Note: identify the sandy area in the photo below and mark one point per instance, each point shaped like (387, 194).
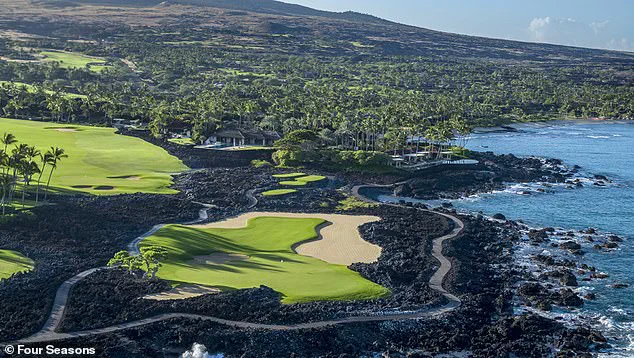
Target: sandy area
(340, 242)
(182, 292)
(65, 129)
(218, 258)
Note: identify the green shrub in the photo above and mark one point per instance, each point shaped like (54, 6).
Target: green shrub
(260, 163)
(351, 203)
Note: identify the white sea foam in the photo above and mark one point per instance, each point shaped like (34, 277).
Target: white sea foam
(200, 351)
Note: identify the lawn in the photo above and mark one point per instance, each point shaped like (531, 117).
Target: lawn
(12, 262)
(100, 161)
(302, 180)
(278, 192)
(293, 183)
(264, 257)
(289, 175)
(311, 178)
(74, 60)
(32, 89)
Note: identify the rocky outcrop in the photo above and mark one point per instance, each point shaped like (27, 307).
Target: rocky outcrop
(492, 172)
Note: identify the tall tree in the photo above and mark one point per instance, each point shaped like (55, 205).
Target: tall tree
(56, 155)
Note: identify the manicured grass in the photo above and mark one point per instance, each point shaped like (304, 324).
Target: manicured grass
(293, 183)
(13, 262)
(289, 175)
(74, 60)
(278, 192)
(100, 161)
(32, 89)
(303, 180)
(182, 141)
(311, 178)
(267, 242)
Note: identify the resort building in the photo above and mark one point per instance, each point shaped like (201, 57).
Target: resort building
(241, 137)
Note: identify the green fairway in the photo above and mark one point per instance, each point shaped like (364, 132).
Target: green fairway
(32, 89)
(261, 255)
(311, 178)
(289, 175)
(99, 161)
(12, 262)
(301, 180)
(74, 60)
(278, 192)
(293, 183)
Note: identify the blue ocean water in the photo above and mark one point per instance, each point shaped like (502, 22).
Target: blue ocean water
(605, 148)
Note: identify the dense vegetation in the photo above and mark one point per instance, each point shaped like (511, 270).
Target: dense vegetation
(282, 76)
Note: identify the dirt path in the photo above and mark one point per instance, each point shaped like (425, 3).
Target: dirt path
(47, 333)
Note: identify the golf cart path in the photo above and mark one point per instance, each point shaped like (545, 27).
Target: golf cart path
(47, 333)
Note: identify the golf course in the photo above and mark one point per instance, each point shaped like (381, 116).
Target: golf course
(74, 60)
(13, 262)
(99, 161)
(260, 253)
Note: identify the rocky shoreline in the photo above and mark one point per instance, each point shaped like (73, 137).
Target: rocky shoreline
(493, 172)
(485, 277)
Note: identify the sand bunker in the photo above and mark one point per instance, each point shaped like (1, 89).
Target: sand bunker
(182, 292)
(64, 129)
(127, 177)
(340, 242)
(218, 258)
(104, 187)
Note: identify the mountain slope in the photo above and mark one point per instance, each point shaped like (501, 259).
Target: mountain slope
(260, 6)
(307, 31)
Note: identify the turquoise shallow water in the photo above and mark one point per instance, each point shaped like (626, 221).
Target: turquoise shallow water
(599, 148)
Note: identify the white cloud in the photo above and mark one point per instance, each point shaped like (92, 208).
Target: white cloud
(598, 26)
(572, 32)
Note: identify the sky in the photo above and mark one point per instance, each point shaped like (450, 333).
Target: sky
(607, 24)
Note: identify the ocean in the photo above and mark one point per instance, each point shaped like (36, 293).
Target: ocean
(599, 147)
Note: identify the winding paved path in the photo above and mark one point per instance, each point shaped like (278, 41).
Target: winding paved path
(47, 333)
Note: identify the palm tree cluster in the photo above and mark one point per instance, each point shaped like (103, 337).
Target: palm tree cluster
(20, 166)
(200, 88)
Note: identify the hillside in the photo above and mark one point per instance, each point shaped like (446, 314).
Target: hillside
(197, 65)
(312, 31)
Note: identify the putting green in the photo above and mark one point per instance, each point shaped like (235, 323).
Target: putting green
(278, 192)
(293, 183)
(289, 175)
(259, 254)
(311, 178)
(13, 262)
(301, 180)
(99, 161)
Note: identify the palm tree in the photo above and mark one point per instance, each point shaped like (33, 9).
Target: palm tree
(5, 185)
(56, 155)
(28, 169)
(8, 139)
(45, 159)
(4, 161)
